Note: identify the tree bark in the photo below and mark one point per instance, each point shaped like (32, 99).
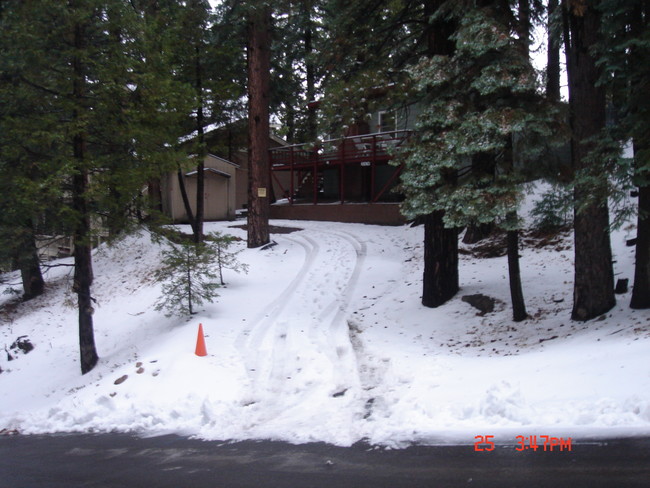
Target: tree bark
(553, 57)
(440, 281)
(512, 235)
(516, 294)
(186, 200)
(83, 271)
(440, 278)
(593, 292)
(310, 72)
(524, 25)
(641, 289)
(29, 264)
(188, 256)
(200, 167)
(259, 58)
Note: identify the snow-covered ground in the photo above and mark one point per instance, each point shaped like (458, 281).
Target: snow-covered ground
(325, 339)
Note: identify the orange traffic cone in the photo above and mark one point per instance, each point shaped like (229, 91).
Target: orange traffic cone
(200, 343)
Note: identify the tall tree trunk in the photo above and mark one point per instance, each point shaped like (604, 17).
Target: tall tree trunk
(512, 234)
(641, 289)
(83, 270)
(29, 264)
(516, 294)
(524, 26)
(553, 57)
(440, 278)
(593, 292)
(259, 61)
(188, 251)
(200, 167)
(310, 72)
(186, 200)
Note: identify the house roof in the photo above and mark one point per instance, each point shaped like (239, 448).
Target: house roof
(211, 170)
(211, 129)
(224, 160)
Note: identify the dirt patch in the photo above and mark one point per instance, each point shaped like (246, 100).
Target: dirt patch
(483, 303)
(495, 245)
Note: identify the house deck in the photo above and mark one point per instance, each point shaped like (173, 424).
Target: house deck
(353, 168)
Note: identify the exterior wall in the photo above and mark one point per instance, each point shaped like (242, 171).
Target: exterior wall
(365, 213)
(219, 196)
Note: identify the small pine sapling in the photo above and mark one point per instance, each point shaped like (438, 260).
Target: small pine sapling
(188, 276)
(225, 257)
(555, 209)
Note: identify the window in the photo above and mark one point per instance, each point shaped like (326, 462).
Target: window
(387, 122)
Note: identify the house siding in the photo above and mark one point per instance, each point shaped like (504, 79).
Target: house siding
(220, 196)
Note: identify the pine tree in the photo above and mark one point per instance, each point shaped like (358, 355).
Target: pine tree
(296, 77)
(192, 77)
(624, 55)
(484, 123)
(89, 125)
(188, 276)
(259, 58)
(192, 28)
(440, 280)
(224, 257)
(593, 292)
(553, 52)
(372, 44)
(24, 185)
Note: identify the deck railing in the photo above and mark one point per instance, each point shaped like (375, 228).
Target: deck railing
(364, 149)
(305, 163)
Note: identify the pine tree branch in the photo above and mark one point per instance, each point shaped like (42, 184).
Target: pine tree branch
(42, 88)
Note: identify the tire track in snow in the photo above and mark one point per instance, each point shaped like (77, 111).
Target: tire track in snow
(301, 343)
(250, 340)
(339, 338)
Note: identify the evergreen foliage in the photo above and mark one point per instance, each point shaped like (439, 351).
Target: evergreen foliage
(624, 59)
(555, 209)
(225, 258)
(207, 64)
(189, 277)
(97, 99)
(485, 124)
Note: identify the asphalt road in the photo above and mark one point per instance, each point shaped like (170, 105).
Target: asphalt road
(123, 461)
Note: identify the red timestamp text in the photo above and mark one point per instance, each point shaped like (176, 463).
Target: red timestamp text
(486, 443)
